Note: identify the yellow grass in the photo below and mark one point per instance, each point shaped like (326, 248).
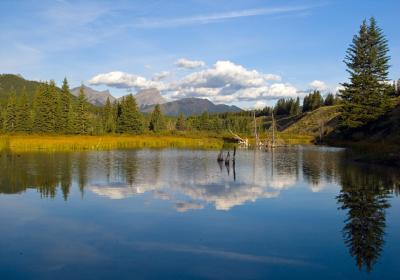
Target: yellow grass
(26, 143)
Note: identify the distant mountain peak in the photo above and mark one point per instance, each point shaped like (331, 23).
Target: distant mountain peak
(93, 96)
(192, 106)
(148, 97)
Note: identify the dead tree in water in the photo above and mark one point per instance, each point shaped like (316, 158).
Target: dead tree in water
(242, 142)
(257, 141)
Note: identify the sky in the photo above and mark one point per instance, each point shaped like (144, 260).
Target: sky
(243, 52)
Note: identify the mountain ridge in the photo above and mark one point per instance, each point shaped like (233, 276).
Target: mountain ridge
(192, 106)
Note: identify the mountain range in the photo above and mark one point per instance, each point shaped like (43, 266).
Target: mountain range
(146, 99)
(191, 106)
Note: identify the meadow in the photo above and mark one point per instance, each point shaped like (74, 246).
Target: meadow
(66, 143)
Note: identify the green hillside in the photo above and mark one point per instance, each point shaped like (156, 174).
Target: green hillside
(312, 123)
(10, 83)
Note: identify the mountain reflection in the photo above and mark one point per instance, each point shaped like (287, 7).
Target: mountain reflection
(192, 180)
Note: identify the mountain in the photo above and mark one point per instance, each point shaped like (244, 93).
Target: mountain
(95, 97)
(148, 97)
(191, 106)
(10, 82)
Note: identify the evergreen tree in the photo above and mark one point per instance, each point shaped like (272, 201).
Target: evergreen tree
(109, 124)
(312, 101)
(366, 96)
(81, 113)
(180, 122)
(64, 106)
(45, 108)
(157, 122)
(130, 120)
(23, 113)
(329, 100)
(10, 117)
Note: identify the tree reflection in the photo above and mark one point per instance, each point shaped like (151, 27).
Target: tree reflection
(365, 196)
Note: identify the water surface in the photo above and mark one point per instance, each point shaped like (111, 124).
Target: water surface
(296, 213)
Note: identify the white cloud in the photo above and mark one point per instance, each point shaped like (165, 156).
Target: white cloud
(229, 82)
(189, 64)
(161, 76)
(224, 82)
(120, 79)
(318, 85)
(260, 104)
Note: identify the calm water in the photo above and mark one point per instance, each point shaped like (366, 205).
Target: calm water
(297, 213)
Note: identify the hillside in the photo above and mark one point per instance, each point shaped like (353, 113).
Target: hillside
(192, 106)
(386, 129)
(10, 82)
(311, 123)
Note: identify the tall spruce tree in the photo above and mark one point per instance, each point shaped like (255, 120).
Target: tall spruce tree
(23, 113)
(45, 108)
(64, 106)
(81, 113)
(180, 122)
(10, 116)
(157, 122)
(130, 120)
(329, 99)
(108, 117)
(366, 96)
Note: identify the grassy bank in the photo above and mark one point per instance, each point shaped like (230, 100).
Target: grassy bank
(26, 143)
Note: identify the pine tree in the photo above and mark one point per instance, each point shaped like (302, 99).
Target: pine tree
(366, 96)
(81, 113)
(130, 119)
(45, 108)
(157, 122)
(23, 113)
(180, 122)
(108, 117)
(64, 107)
(10, 116)
(329, 100)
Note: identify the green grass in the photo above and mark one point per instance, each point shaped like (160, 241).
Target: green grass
(27, 143)
(310, 123)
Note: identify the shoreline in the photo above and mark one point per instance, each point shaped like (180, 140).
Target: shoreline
(52, 143)
(66, 143)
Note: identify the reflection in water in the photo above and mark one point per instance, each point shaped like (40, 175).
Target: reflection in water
(191, 180)
(365, 196)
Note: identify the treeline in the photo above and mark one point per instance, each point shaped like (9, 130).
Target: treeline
(55, 111)
(292, 107)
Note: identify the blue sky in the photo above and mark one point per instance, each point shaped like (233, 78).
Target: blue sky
(239, 52)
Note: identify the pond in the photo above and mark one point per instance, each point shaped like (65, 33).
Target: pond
(301, 212)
